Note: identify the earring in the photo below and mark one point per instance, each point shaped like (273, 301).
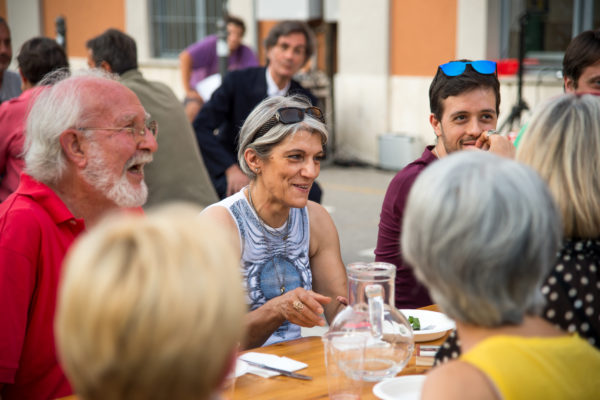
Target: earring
(257, 170)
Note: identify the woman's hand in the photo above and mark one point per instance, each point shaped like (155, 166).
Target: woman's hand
(302, 307)
(299, 306)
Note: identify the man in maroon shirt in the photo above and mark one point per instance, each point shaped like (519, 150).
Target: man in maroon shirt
(88, 140)
(464, 98)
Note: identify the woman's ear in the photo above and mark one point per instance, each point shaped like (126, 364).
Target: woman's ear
(73, 147)
(253, 160)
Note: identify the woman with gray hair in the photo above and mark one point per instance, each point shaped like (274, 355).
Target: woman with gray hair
(289, 247)
(567, 129)
(485, 270)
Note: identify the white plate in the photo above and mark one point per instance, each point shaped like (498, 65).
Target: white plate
(407, 387)
(441, 324)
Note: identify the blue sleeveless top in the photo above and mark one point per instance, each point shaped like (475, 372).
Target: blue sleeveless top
(270, 264)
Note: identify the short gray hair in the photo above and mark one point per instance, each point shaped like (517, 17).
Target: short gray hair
(59, 107)
(260, 115)
(481, 232)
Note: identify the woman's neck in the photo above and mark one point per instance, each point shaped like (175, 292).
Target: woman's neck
(532, 326)
(272, 214)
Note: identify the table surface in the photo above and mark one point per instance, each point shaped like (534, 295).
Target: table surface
(308, 350)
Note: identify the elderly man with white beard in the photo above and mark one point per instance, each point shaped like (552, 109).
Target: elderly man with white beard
(87, 141)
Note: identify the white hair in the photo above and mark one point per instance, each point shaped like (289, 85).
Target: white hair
(58, 107)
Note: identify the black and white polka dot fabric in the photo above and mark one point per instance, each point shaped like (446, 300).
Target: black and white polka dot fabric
(572, 292)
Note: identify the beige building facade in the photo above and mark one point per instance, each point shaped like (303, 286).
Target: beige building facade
(385, 52)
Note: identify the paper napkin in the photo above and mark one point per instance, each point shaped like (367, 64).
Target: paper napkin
(271, 360)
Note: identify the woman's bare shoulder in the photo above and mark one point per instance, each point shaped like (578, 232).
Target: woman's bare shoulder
(317, 213)
(217, 213)
(219, 216)
(458, 380)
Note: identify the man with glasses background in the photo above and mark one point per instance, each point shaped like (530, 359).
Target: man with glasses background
(289, 46)
(177, 173)
(464, 99)
(88, 140)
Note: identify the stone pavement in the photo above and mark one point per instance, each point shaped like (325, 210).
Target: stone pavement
(353, 196)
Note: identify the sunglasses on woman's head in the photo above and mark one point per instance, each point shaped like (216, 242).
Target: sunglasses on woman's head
(455, 68)
(289, 115)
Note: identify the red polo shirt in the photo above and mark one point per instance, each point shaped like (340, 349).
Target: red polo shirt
(13, 114)
(36, 229)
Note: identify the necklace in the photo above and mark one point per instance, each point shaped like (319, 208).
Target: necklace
(283, 236)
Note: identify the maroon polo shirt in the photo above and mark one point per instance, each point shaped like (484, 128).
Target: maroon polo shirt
(408, 292)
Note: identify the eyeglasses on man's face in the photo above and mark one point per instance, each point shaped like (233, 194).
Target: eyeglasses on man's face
(149, 125)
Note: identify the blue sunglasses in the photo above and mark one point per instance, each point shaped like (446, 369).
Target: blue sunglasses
(455, 68)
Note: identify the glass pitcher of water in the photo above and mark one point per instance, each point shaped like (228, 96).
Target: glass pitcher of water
(371, 312)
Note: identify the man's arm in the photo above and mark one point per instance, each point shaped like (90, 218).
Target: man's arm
(409, 292)
(185, 65)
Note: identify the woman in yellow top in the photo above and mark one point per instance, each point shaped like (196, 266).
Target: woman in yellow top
(484, 231)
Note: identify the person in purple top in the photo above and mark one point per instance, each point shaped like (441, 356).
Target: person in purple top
(464, 98)
(200, 60)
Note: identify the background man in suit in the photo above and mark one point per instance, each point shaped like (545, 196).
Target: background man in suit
(177, 172)
(289, 46)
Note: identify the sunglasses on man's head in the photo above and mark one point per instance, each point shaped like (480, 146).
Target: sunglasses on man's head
(289, 115)
(455, 68)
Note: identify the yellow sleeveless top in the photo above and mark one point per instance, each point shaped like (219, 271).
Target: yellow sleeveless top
(565, 367)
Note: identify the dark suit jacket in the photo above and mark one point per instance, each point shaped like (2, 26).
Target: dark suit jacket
(226, 111)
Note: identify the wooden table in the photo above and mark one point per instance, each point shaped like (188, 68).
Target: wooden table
(308, 350)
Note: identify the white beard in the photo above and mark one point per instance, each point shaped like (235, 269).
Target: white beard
(116, 189)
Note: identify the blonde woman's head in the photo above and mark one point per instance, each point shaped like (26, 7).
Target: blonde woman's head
(562, 143)
(150, 307)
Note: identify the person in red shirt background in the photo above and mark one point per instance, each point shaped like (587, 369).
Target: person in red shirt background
(88, 139)
(38, 56)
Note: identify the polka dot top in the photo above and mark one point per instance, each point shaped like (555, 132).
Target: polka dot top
(572, 290)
